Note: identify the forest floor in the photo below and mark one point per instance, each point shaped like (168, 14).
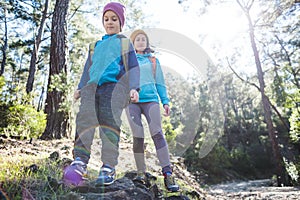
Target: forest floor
(252, 189)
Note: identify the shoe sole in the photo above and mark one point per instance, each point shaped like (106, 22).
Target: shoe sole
(104, 184)
(173, 189)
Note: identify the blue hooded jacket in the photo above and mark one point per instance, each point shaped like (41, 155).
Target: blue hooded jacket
(107, 64)
(151, 88)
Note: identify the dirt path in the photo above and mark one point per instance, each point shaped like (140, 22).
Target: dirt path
(256, 189)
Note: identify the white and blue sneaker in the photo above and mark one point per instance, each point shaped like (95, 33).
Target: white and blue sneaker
(106, 176)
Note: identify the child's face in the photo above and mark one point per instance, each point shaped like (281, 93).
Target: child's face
(111, 23)
(140, 43)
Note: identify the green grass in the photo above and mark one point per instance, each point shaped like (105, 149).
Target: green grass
(19, 181)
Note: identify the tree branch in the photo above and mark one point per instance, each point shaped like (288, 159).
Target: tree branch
(258, 88)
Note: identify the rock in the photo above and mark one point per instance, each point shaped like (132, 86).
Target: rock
(123, 188)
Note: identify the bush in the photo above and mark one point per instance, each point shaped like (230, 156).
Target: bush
(215, 164)
(25, 122)
(241, 161)
(295, 125)
(170, 133)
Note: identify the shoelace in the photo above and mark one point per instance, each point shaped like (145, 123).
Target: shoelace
(79, 162)
(81, 168)
(105, 171)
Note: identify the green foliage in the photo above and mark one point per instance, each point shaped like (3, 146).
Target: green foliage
(295, 125)
(241, 161)
(294, 119)
(169, 132)
(217, 160)
(2, 83)
(293, 171)
(278, 88)
(20, 178)
(25, 122)
(214, 164)
(243, 150)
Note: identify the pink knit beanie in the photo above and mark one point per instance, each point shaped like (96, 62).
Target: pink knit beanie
(117, 8)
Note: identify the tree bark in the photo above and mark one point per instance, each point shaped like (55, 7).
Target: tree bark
(282, 178)
(57, 119)
(4, 47)
(35, 50)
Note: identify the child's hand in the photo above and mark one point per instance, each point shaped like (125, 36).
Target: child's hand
(167, 110)
(134, 96)
(76, 94)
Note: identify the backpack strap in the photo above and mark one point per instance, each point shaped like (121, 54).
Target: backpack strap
(153, 62)
(91, 50)
(125, 51)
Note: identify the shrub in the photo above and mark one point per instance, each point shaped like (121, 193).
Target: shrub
(25, 122)
(170, 133)
(295, 125)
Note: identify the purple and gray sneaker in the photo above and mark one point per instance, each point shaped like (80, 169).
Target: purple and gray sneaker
(76, 173)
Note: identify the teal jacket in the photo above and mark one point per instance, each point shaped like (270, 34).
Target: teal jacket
(107, 64)
(152, 89)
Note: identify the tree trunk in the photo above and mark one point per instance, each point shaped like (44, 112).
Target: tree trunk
(282, 178)
(57, 119)
(4, 47)
(35, 50)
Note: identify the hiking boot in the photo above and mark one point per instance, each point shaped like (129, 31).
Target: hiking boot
(170, 182)
(106, 176)
(76, 173)
(140, 177)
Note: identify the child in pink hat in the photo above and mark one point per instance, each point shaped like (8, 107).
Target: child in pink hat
(105, 88)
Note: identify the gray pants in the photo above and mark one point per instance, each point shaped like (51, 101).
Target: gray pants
(151, 111)
(100, 106)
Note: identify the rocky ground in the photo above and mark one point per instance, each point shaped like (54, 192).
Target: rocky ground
(257, 189)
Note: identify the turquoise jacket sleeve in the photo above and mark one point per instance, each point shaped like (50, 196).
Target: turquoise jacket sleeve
(160, 84)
